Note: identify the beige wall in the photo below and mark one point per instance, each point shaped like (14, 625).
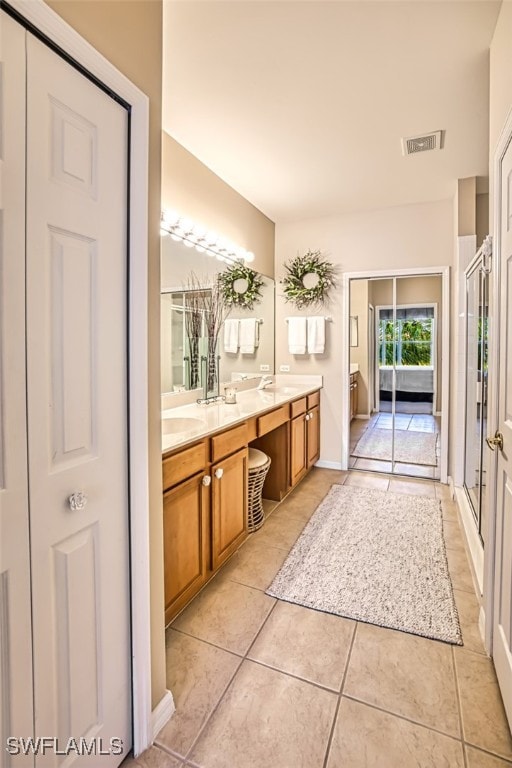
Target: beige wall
(190, 188)
(500, 90)
(482, 218)
(393, 238)
(466, 201)
(129, 34)
(359, 308)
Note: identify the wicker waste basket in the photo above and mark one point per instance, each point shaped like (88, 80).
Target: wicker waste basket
(259, 464)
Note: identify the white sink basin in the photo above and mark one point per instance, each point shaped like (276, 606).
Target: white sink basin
(280, 390)
(180, 425)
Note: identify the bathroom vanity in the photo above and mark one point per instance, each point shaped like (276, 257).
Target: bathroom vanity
(204, 469)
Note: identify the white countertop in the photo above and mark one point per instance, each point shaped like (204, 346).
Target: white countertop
(191, 422)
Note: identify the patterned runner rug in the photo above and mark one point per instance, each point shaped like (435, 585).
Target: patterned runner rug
(377, 557)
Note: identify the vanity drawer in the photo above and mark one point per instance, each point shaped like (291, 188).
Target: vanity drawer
(313, 400)
(298, 407)
(272, 420)
(252, 430)
(228, 442)
(183, 464)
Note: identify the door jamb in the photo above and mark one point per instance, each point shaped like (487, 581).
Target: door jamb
(444, 362)
(49, 23)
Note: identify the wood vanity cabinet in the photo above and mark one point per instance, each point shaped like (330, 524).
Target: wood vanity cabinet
(304, 435)
(298, 439)
(313, 429)
(353, 394)
(205, 504)
(205, 491)
(186, 526)
(229, 506)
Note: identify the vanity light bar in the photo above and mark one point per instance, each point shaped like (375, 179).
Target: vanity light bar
(195, 236)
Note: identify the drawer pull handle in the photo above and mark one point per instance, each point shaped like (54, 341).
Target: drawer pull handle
(311, 415)
(218, 473)
(207, 480)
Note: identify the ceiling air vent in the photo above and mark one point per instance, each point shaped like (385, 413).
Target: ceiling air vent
(428, 141)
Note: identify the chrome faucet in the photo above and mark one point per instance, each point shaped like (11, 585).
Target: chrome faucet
(265, 382)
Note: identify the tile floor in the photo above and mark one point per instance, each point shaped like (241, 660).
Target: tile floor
(416, 422)
(260, 683)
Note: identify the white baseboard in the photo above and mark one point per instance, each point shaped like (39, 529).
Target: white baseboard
(361, 416)
(328, 464)
(475, 547)
(481, 626)
(437, 413)
(163, 712)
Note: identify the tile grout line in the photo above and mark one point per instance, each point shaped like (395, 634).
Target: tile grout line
(340, 695)
(459, 708)
(402, 717)
(242, 659)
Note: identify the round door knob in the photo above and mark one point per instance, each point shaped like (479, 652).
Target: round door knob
(77, 500)
(218, 473)
(308, 417)
(311, 415)
(207, 480)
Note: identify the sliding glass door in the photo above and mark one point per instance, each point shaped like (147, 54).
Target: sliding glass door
(401, 433)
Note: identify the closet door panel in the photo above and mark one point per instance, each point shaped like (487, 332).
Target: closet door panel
(16, 703)
(77, 403)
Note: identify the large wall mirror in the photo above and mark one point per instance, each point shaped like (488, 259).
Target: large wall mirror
(186, 279)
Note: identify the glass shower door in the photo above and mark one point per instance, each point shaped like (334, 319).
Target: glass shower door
(476, 316)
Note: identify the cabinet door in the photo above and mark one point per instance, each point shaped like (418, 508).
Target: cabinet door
(297, 448)
(229, 506)
(355, 392)
(186, 516)
(313, 430)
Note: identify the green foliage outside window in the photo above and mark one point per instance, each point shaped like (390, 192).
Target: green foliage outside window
(413, 340)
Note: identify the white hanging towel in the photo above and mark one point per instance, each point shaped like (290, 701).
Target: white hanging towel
(316, 335)
(297, 335)
(248, 335)
(231, 333)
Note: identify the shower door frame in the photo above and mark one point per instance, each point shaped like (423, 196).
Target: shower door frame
(443, 361)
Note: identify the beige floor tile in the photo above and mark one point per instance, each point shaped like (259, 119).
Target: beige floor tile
(268, 506)
(296, 510)
(443, 492)
(365, 737)
(197, 674)
(157, 758)
(478, 759)
(267, 720)
(452, 536)
(468, 609)
(415, 487)
(373, 465)
(324, 477)
(306, 643)
(226, 614)
(460, 572)
(255, 564)
(450, 510)
(367, 480)
(483, 716)
(415, 470)
(405, 674)
(279, 532)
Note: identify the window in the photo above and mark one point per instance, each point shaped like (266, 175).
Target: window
(409, 340)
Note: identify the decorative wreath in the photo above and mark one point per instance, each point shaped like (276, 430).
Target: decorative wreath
(293, 281)
(251, 295)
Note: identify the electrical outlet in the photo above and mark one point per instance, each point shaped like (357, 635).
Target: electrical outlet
(264, 367)
(284, 368)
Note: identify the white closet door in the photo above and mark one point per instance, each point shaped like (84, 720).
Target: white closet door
(16, 702)
(77, 405)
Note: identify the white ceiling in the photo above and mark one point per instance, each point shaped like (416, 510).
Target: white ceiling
(301, 106)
